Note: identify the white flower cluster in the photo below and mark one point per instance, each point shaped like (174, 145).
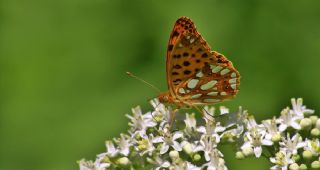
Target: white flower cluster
(154, 142)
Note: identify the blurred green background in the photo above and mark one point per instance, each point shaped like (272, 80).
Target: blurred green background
(64, 90)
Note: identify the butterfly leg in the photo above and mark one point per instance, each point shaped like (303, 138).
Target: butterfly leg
(204, 115)
(207, 115)
(173, 115)
(172, 118)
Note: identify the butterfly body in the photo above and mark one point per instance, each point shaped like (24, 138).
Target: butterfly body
(195, 74)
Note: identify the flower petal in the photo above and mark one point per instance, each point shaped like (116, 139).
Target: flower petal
(206, 156)
(157, 139)
(177, 135)
(176, 146)
(166, 164)
(282, 127)
(266, 142)
(257, 151)
(164, 148)
(202, 129)
(295, 125)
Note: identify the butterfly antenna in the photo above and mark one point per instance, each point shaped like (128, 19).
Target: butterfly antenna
(143, 81)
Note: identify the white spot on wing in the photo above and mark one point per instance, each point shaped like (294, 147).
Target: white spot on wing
(214, 93)
(199, 74)
(223, 93)
(192, 83)
(224, 71)
(208, 85)
(182, 91)
(233, 75)
(232, 81)
(196, 96)
(211, 100)
(215, 69)
(233, 86)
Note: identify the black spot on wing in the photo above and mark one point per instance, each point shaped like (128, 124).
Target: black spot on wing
(186, 72)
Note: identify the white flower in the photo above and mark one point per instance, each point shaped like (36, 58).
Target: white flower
(211, 129)
(190, 166)
(216, 162)
(292, 145)
(255, 139)
(191, 125)
(100, 163)
(158, 106)
(161, 113)
(145, 145)
(238, 119)
(168, 139)
(112, 151)
(223, 110)
(281, 161)
(251, 123)
(140, 122)
(208, 143)
(313, 146)
(124, 143)
(151, 140)
(159, 163)
(299, 109)
(271, 127)
(86, 165)
(184, 165)
(287, 119)
(191, 148)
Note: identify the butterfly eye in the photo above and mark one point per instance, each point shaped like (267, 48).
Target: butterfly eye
(165, 98)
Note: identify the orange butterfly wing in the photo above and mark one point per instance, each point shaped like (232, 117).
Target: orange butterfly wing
(195, 74)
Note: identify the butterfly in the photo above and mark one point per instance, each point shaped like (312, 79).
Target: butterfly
(195, 74)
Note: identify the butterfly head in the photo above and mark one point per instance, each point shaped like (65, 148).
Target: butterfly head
(165, 97)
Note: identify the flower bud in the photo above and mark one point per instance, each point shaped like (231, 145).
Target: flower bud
(151, 161)
(305, 123)
(313, 119)
(294, 166)
(303, 167)
(221, 161)
(142, 147)
(196, 157)
(106, 160)
(296, 157)
(307, 154)
(174, 155)
(187, 149)
(158, 117)
(318, 124)
(276, 137)
(315, 132)
(247, 151)
(124, 161)
(315, 165)
(240, 155)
